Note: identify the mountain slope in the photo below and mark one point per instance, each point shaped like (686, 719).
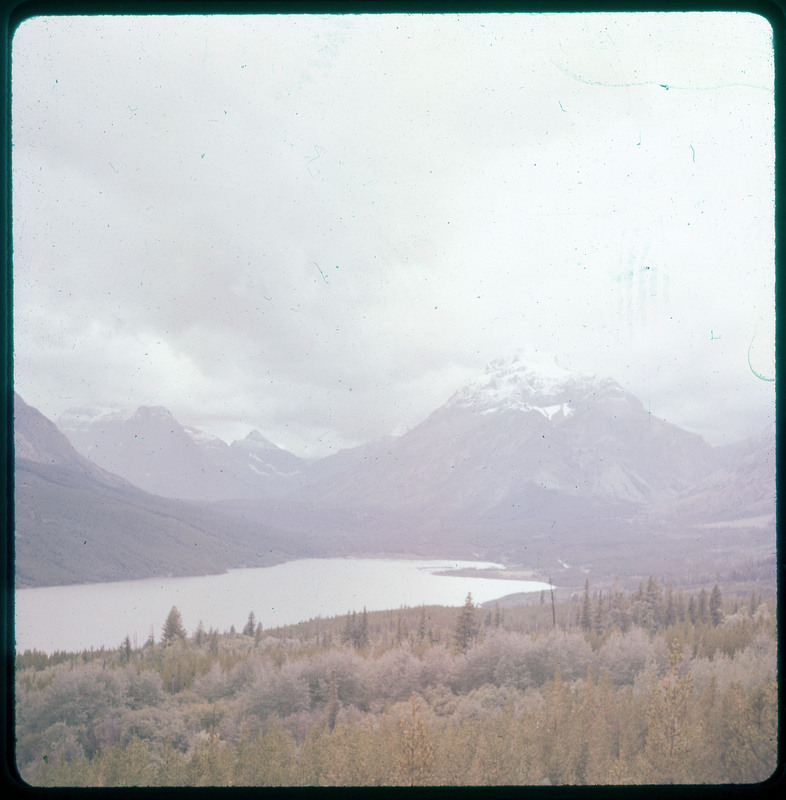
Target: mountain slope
(75, 522)
(529, 464)
(515, 432)
(526, 465)
(154, 451)
(742, 488)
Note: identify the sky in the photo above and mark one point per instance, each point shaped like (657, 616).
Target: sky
(322, 226)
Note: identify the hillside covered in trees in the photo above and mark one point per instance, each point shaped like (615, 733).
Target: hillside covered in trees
(654, 685)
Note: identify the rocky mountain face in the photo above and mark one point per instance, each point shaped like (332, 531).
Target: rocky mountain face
(155, 452)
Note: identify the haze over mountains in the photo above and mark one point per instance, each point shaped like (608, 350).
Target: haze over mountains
(76, 522)
(532, 465)
(152, 450)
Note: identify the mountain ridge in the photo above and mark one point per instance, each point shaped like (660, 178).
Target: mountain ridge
(516, 466)
(76, 522)
(155, 452)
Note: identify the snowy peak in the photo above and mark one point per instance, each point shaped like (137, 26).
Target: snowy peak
(546, 371)
(539, 385)
(86, 417)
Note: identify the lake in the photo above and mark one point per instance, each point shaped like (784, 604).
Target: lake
(79, 617)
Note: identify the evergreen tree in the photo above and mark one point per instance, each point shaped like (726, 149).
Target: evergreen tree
(749, 733)
(400, 632)
(465, 625)
(125, 651)
(680, 606)
(618, 613)
(172, 768)
(199, 635)
(362, 636)
(669, 609)
(716, 606)
(422, 624)
(173, 627)
(599, 616)
(333, 702)
(693, 610)
(347, 634)
(563, 739)
(249, 627)
(703, 607)
(585, 620)
(652, 605)
(211, 763)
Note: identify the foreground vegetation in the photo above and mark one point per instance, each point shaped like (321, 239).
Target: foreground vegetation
(649, 686)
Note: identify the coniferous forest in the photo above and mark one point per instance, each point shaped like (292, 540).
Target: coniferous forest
(653, 685)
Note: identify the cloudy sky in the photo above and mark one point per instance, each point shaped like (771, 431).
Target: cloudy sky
(322, 226)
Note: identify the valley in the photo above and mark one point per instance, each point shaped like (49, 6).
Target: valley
(560, 479)
(531, 469)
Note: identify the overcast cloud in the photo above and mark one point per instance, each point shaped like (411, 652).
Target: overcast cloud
(322, 226)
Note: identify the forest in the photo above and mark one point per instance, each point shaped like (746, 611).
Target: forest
(622, 686)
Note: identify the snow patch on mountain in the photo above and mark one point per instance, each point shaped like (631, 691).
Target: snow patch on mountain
(202, 438)
(547, 411)
(85, 417)
(527, 384)
(270, 469)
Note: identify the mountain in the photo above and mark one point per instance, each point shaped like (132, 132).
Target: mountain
(37, 439)
(261, 467)
(154, 451)
(529, 464)
(740, 491)
(520, 430)
(76, 522)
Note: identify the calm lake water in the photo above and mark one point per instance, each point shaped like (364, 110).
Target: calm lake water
(79, 617)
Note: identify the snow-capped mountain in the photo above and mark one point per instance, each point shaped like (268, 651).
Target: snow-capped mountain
(519, 384)
(519, 430)
(525, 464)
(154, 451)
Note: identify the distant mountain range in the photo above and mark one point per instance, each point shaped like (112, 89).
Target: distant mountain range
(155, 452)
(76, 522)
(529, 464)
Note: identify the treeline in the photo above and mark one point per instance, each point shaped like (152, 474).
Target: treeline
(611, 687)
